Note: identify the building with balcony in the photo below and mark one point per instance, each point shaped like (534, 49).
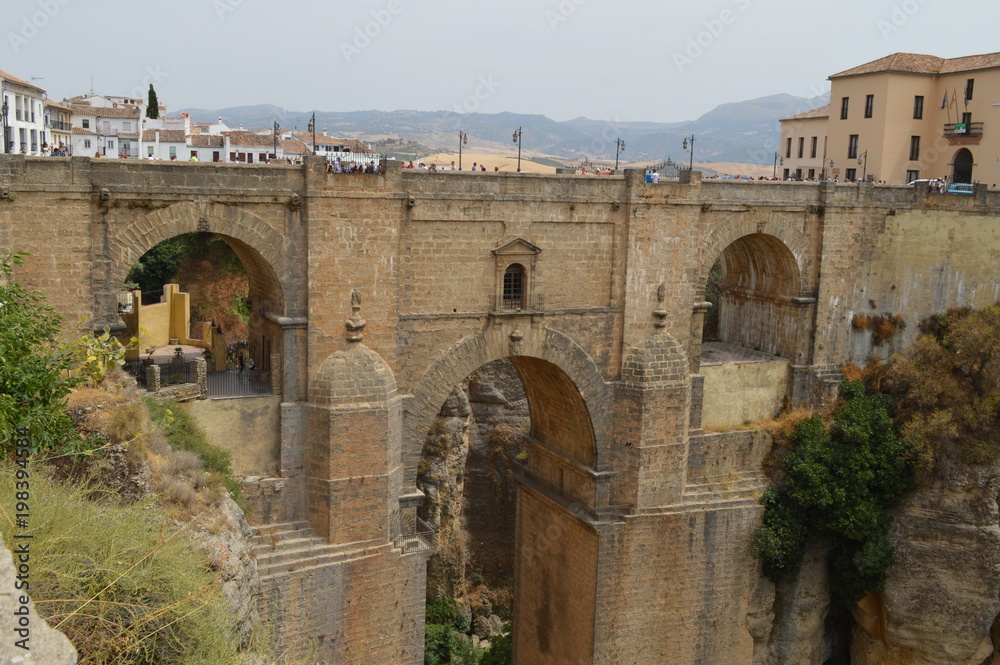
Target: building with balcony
(902, 118)
(58, 124)
(23, 115)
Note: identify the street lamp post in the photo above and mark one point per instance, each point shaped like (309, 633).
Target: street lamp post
(3, 116)
(689, 144)
(863, 159)
(463, 139)
(517, 140)
(277, 130)
(777, 159)
(312, 128)
(620, 148)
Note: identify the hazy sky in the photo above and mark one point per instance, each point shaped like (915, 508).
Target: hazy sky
(628, 60)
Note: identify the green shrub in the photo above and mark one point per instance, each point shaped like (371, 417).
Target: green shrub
(447, 612)
(121, 583)
(182, 433)
(840, 485)
(501, 651)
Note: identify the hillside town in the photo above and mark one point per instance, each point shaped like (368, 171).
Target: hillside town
(116, 127)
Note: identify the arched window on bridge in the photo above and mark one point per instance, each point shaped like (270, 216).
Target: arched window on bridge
(513, 287)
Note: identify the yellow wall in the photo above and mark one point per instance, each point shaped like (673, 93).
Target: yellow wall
(740, 392)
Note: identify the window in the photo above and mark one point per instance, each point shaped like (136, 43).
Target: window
(149, 151)
(786, 175)
(788, 148)
(173, 152)
(869, 106)
(967, 120)
(844, 103)
(914, 148)
(802, 146)
(126, 126)
(912, 175)
(86, 123)
(918, 107)
(798, 174)
(969, 85)
(852, 147)
(812, 148)
(513, 287)
(86, 143)
(111, 144)
(852, 174)
(812, 173)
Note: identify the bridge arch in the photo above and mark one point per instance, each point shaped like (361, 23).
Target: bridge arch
(549, 362)
(761, 285)
(259, 247)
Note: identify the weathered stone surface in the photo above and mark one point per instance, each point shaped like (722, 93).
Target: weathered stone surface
(45, 645)
(227, 544)
(943, 594)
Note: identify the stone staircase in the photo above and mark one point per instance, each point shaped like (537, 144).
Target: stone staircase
(739, 491)
(289, 547)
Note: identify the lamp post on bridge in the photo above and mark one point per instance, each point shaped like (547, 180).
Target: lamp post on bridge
(312, 128)
(619, 148)
(463, 139)
(778, 159)
(863, 159)
(277, 130)
(517, 140)
(689, 144)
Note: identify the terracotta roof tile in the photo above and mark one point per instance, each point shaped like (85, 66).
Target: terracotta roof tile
(205, 141)
(14, 79)
(166, 135)
(105, 112)
(821, 112)
(238, 138)
(929, 65)
(81, 130)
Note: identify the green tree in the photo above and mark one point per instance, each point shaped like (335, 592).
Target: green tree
(152, 104)
(34, 366)
(841, 483)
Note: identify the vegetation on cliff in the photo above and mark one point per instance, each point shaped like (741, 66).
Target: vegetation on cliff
(841, 481)
(922, 415)
(108, 502)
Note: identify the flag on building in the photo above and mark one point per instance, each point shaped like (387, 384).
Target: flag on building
(944, 102)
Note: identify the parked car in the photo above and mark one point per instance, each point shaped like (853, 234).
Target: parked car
(932, 184)
(961, 188)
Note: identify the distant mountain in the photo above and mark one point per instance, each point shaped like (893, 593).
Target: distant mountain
(744, 132)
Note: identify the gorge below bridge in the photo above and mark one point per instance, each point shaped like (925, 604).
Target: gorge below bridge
(372, 297)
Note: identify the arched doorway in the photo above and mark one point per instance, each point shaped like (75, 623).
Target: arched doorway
(750, 335)
(552, 549)
(207, 295)
(962, 171)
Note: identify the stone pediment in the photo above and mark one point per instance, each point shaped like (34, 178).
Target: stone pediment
(517, 247)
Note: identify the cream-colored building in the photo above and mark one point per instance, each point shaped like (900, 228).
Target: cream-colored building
(902, 118)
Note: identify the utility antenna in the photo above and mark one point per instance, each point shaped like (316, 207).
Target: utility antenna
(36, 79)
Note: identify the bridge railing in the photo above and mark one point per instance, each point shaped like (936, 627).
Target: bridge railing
(415, 535)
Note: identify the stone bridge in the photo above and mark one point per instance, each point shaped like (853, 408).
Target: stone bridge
(372, 297)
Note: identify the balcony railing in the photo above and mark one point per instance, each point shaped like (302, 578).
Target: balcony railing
(511, 305)
(960, 129)
(60, 125)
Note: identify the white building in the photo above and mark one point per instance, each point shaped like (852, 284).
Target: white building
(58, 123)
(24, 127)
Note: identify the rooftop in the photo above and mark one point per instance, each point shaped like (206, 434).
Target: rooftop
(928, 65)
(821, 112)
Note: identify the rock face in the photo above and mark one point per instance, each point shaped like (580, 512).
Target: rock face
(228, 548)
(45, 645)
(942, 598)
(466, 476)
(941, 601)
